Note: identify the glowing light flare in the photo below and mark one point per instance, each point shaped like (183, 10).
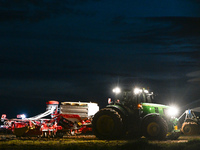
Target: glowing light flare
(137, 91)
(172, 111)
(146, 91)
(117, 90)
(22, 116)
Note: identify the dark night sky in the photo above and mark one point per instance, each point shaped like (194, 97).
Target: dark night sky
(78, 50)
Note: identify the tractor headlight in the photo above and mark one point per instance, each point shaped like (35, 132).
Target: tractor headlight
(172, 111)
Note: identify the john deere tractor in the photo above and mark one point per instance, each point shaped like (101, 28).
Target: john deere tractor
(133, 115)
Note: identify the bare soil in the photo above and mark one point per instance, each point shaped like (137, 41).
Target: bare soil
(181, 139)
(91, 142)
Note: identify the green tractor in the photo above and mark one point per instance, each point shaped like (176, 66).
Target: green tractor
(135, 116)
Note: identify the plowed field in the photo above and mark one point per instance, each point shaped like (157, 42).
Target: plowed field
(91, 142)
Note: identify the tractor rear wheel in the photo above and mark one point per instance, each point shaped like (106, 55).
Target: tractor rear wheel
(190, 128)
(107, 124)
(155, 128)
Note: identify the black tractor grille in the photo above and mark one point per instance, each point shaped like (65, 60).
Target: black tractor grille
(156, 110)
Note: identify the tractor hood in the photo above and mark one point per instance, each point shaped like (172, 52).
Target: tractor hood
(163, 110)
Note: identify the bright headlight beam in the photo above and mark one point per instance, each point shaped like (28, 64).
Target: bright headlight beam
(172, 111)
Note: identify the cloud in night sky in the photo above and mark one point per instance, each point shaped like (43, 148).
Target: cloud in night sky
(79, 50)
(37, 10)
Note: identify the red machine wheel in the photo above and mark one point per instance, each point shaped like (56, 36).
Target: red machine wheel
(190, 128)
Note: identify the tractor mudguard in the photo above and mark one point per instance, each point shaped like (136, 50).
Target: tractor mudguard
(120, 109)
(108, 124)
(147, 116)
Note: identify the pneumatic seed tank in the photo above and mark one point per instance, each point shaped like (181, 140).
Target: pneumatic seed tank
(70, 118)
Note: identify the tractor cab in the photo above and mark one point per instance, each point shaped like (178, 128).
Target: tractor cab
(138, 96)
(133, 97)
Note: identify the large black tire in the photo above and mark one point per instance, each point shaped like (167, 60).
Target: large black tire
(190, 128)
(107, 124)
(155, 128)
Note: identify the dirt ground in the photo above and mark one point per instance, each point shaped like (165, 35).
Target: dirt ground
(90, 142)
(181, 139)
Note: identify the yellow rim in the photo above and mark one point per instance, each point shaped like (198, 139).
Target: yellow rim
(105, 125)
(153, 129)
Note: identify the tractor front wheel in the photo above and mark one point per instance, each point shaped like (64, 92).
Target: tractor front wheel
(155, 128)
(107, 124)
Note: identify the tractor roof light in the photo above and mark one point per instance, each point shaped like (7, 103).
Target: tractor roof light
(117, 90)
(137, 91)
(146, 91)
